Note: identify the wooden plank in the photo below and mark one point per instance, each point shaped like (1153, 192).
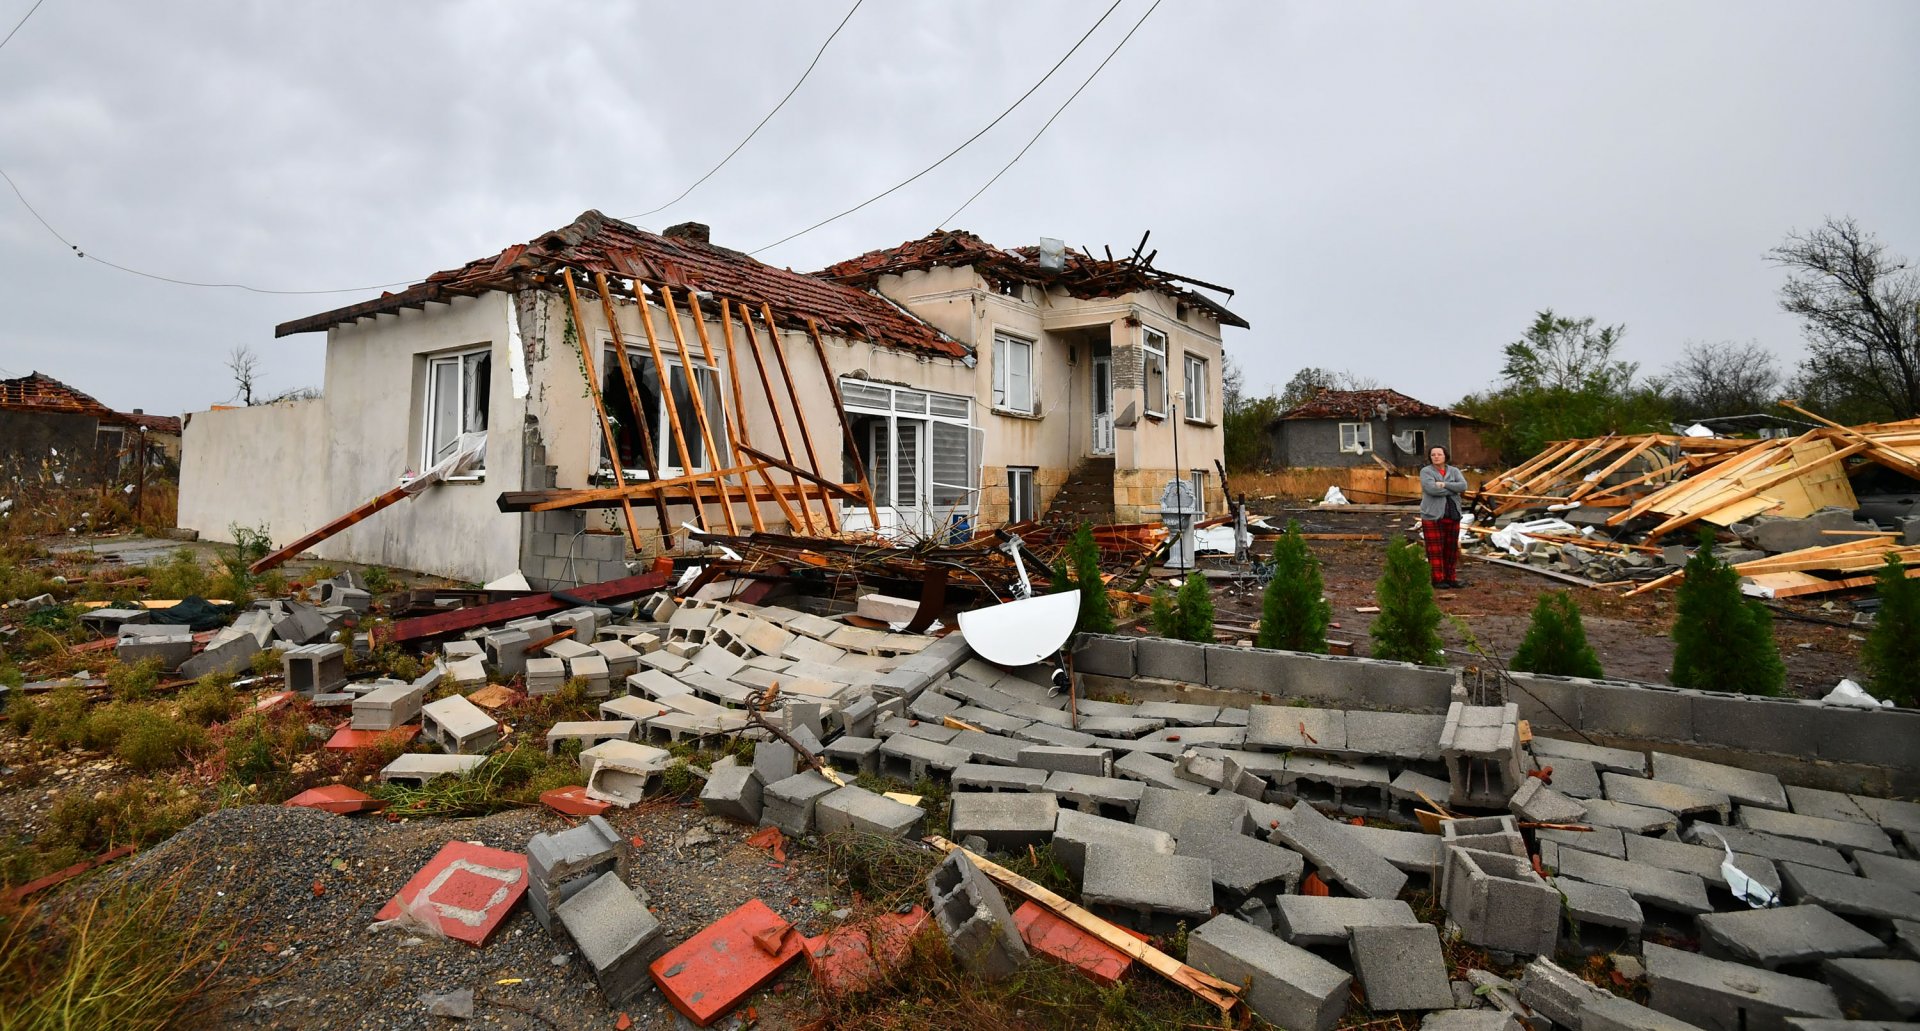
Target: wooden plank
(1879, 452)
(384, 499)
(779, 421)
(746, 434)
(558, 498)
(1829, 586)
(699, 407)
(799, 412)
(1632, 453)
(846, 427)
(826, 486)
(457, 620)
(667, 402)
(1222, 995)
(600, 409)
(734, 417)
(633, 397)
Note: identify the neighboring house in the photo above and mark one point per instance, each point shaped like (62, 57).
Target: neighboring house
(51, 428)
(973, 382)
(1368, 428)
(163, 435)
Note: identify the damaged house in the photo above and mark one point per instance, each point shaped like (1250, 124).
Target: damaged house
(625, 383)
(1364, 428)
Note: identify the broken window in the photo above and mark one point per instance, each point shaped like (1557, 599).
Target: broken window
(629, 437)
(1012, 374)
(1196, 388)
(1154, 373)
(459, 390)
(1356, 437)
(1021, 501)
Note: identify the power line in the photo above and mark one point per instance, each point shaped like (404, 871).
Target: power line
(968, 142)
(78, 253)
(22, 21)
(1049, 123)
(763, 121)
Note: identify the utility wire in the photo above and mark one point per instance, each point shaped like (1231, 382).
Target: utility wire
(1049, 123)
(78, 253)
(22, 21)
(763, 121)
(968, 142)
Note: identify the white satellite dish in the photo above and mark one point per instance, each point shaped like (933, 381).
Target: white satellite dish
(1021, 632)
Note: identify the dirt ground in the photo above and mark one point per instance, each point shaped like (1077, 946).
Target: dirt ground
(1631, 635)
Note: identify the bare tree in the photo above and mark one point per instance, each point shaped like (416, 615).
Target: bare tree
(1859, 307)
(1725, 378)
(245, 366)
(1312, 379)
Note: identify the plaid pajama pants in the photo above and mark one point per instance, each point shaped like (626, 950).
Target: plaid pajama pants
(1443, 546)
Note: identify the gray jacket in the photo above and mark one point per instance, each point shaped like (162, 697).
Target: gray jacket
(1434, 490)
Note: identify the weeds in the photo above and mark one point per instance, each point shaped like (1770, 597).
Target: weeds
(181, 576)
(210, 700)
(139, 812)
(379, 579)
(515, 777)
(250, 544)
(134, 683)
(133, 956)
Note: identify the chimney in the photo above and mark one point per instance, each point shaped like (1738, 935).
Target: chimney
(138, 411)
(695, 231)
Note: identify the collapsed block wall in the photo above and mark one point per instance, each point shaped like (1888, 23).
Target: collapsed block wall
(1803, 742)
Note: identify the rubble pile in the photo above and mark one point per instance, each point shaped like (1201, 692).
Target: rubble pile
(1811, 514)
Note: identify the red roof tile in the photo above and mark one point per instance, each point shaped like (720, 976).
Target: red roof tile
(597, 243)
(1364, 404)
(154, 423)
(1081, 274)
(37, 393)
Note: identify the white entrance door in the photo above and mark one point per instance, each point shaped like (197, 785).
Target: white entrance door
(1102, 405)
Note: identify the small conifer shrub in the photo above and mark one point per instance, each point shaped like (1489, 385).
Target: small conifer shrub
(1891, 655)
(1407, 628)
(1556, 641)
(1186, 615)
(1293, 611)
(1721, 640)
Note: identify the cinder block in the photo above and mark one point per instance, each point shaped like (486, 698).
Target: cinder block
(1337, 855)
(789, 804)
(1148, 890)
(171, 649)
(1164, 659)
(1104, 655)
(1720, 996)
(855, 808)
(458, 726)
(387, 707)
(1004, 820)
(1561, 995)
(1402, 968)
(973, 915)
(1287, 985)
(1075, 832)
(1645, 713)
(1498, 902)
(1093, 762)
(314, 668)
(619, 771)
(733, 791)
(616, 936)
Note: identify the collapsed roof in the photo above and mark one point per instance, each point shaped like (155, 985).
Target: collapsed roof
(1366, 404)
(35, 392)
(1080, 274)
(682, 259)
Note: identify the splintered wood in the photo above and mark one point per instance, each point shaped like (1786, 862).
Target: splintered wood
(1655, 484)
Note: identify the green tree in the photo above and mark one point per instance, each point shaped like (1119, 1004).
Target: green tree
(1556, 641)
(1076, 569)
(1186, 615)
(1891, 655)
(1408, 626)
(1294, 612)
(1721, 640)
(1563, 379)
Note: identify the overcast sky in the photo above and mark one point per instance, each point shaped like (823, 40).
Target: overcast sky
(1392, 188)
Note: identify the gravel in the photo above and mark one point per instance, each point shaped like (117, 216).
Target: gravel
(306, 884)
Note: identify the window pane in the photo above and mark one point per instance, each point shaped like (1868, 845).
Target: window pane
(906, 489)
(477, 373)
(951, 407)
(910, 401)
(689, 421)
(443, 418)
(716, 410)
(1000, 348)
(948, 461)
(865, 395)
(881, 475)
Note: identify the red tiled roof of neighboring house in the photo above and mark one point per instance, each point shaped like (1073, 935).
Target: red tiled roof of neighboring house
(37, 393)
(154, 423)
(683, 259)
(1365, 404)
(1081, 274)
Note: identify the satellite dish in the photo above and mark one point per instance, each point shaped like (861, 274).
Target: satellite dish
(1021, 633)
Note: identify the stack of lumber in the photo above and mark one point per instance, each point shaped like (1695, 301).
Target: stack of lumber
(1790, 574)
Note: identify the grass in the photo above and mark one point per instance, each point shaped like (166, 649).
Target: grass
(137, 682)
(147, 736)
(508, 779)
(135, 956)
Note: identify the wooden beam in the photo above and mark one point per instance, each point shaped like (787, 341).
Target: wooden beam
(457, 620)
(549, 500)
(1793, 470)
(799, 411)
(365, 509)
(846, 427)
(1881, 453)
(600, 409)
(699, 407)
(746, 433)
(826, 486)
(730, 417)
(633, 397)
(779, 421)
(666, 400)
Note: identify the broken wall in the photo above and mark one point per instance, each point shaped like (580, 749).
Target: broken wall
(262, 465)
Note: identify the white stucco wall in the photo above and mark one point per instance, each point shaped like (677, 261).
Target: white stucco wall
(254, 466)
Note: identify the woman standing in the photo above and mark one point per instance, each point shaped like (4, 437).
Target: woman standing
(1441, 486)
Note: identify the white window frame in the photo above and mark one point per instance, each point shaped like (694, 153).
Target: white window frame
(458, 359)
(905, 404)
(1153, 346)
(1361, 435)
(1005, 348)
(1196, 380)
(666, 455)
(1023, 494)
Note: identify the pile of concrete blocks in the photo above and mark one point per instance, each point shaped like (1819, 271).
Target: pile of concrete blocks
(619, 771)
(561, 863)
(973, 915)
(169, 643)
